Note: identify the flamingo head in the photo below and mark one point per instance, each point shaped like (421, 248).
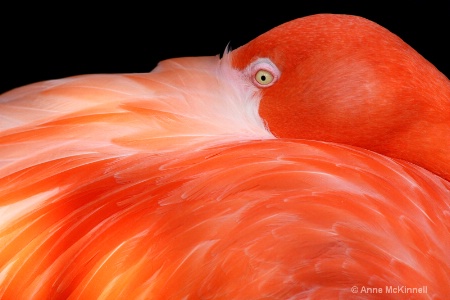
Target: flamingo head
(345, 79)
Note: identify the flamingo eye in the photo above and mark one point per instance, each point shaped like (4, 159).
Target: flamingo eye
(264, 72)
(264, 77)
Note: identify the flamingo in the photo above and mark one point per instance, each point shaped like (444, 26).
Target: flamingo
(309, 163)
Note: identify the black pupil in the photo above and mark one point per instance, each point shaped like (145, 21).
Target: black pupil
(263, 77)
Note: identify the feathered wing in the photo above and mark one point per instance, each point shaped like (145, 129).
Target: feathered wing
(182, 102)
(271, 218)
(163, 186)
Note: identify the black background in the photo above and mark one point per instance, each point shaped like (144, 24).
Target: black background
(46, 42)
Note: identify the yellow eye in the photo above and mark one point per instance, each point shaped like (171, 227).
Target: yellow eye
(264, 77)
(263, 73)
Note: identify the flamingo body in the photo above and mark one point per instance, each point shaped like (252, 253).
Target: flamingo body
(170, 185)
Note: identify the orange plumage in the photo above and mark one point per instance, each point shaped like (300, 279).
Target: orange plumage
(359, 81)
(169, 185)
